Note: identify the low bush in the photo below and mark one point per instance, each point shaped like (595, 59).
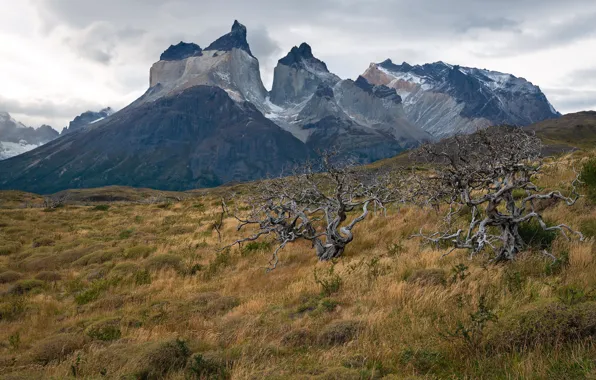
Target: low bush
(26, 286)
(255, 246)
(163, 359)
(299, 338)
(42, 242)
(57, 348)
(12, 308)
(329, 281)
(9, 248)
(101, 208)
(9, 276)
(92, 292)
(163, 261)
(125, 268)
(546, 324)
(97, 257)
(201, 367)
(428, 277)
(339, 333)
(105, 330)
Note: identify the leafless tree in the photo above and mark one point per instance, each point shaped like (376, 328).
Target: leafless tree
(489, 176)
(314, 204)
(56, 200)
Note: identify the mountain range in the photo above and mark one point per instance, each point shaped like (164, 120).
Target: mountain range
(207, 119)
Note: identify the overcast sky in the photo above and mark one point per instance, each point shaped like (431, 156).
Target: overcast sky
(59, 58)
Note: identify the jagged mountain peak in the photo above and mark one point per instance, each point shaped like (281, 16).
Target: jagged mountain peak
(380, 91)
(236, 39)
(181, 51)
(302, 57)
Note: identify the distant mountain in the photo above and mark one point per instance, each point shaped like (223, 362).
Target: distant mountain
(193, 128)
(363, 120)
(446, 99)
(16, 138)
(207, 119)
(87, 118)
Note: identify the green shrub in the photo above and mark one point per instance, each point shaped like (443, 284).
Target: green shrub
(9, 276)
(138, 251)
(101, 208)
(201, 367)
(92, 293)
(163, 261)
(125, 234)
(423, 361)
(573, 295)
(42, 242)
(535, 236)
(472, 330)
(557, 266)
(48, 276)
(299, 338)
(222, 259)
(105, 330)
(99, 257)
(57, 348)
(329, 281)
(165, 358)
(26, 286)
(339, 333)
(588, 177)
(428, 277)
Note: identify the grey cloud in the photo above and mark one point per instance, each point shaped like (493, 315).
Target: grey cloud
(572, 100)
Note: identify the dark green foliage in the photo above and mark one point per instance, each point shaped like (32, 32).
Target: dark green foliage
(101, 208)
(588, 228)
(126, 234)
(222, 259)
(395, 249)
(535, 236)
(92, 292)
(329, 281)
(513, 280)
(138, 251)
(105, 330)
(207, 369)
(588, 177)
(459, 273)
(26, 286)
(7, 248)
(166, 358)
(255, 246)
(12, 307)
(143, 277)
(471, 331)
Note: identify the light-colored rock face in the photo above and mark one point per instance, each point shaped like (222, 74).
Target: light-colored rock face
(235, 71)
(437, 113)
(292, 85)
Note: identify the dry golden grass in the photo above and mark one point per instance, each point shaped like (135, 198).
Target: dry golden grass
(153, 273)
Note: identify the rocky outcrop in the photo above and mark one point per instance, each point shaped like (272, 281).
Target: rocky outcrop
(298, 75)
(445, 99)
(181, 51)
(199, 138)
(87, 118)
(227, 63)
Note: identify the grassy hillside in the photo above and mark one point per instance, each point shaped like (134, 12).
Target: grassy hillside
(572, 130)
(139, 290)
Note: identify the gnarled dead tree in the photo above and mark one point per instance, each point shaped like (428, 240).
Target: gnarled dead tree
(314, 205)
(489, 175)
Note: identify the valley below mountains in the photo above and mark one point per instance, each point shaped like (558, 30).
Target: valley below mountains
(207, 119)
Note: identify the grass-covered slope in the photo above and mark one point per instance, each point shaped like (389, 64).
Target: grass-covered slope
(139, 290)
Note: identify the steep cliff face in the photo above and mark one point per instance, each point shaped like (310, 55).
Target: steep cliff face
(445, 100)
(298, 75)
(360, 118)
(227, 63)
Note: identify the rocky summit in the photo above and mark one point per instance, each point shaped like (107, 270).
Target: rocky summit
(207, 119)
(16, 138)
(446, 99)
